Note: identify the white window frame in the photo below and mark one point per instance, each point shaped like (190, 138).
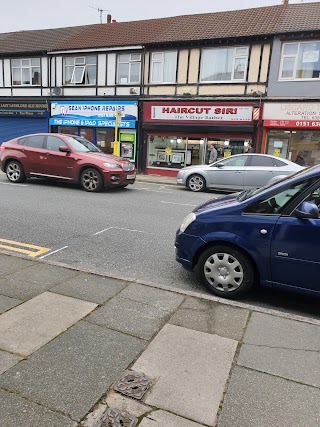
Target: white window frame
(235, 57)
(283, 56)
(29, 67)
(79, 63)
(162, 61)
(130, 62)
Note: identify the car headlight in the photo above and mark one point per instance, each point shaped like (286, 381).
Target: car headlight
(187, 221)
(111, 165)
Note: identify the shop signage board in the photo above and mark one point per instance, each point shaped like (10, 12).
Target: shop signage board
(23, 109)
(292, 115)
(94, 113)
(202, 112)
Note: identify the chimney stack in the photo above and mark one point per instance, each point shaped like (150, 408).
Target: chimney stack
(113, 21)
(108, 19)
(285, 2)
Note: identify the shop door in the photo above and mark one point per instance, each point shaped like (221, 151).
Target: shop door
(278, 145)
(88, 134)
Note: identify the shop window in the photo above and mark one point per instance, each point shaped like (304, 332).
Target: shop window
(25, 72)
(163, 67)
(80, 70)
(224, 64)
(129, 68)
(300, 61)
(300, 146)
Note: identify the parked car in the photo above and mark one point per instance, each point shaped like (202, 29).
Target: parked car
(239, 172)
(65, 157)
(269, 236)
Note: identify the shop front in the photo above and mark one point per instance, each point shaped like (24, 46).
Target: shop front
(292, 131)
(179, 134)
(22, 118)
(96, 121)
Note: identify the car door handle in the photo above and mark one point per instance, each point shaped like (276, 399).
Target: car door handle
(238, 172)
(263, 231)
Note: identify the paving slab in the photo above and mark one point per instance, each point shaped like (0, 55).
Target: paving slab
(16, 411)
(6, 303)
(165, 419)
(190, 369)
(90, 287)
(282, 347)
(35, 280)
(130, 317)
(7, 360)
(256, 399)
(211, 317)
(71, 373)
(10, 264)
(32, 324)
(272, 331)
(159, 298)
(131, 406)
(298, 365)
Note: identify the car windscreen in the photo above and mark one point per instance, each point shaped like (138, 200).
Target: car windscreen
(82, 144)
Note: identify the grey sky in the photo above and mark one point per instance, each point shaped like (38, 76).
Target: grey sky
(17, 15)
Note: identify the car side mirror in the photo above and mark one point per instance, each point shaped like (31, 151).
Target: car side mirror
(64, 149)
(307, 210)
(219, 165)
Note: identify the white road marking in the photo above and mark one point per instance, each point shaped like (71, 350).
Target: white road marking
(180, 204)
(118, 228)
(102, 231)
(153, 191)
(54, 252)
(11, 183)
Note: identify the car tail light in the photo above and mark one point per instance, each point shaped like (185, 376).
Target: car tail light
(2, 148)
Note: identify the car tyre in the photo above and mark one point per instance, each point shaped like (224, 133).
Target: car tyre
(91, 180)
(225, 271)
(196, 183)
(15, 172)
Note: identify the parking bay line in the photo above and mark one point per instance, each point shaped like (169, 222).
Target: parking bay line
(24, 248)
(11, 183)
(53, 252)
(117, 228)
(180, 204)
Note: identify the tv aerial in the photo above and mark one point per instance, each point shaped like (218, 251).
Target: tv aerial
(100, 11)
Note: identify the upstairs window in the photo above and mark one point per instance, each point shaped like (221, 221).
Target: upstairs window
(25, 72)
(129, 66)
(81, 70)
(300, 61)
(224, 64)
(163, 67)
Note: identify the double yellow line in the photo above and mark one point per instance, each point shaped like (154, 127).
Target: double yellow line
(23, 248)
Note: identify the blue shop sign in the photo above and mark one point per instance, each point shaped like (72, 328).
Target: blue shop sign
(94, 113)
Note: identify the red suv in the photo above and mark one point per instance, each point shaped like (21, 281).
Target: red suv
(65, 157)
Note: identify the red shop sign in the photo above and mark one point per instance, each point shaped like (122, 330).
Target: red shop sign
(308, 124)
(202, 112)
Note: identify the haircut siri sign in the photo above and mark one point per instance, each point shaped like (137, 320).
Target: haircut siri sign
(94, 114)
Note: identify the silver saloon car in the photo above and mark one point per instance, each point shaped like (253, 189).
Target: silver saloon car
(239, 172)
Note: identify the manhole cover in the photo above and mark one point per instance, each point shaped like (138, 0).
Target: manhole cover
(133, 384)
(115, 418)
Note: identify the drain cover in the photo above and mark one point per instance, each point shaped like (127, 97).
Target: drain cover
(133, 384)
(115, 418)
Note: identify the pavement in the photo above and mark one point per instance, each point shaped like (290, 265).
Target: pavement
(82, 349)
(156, 179)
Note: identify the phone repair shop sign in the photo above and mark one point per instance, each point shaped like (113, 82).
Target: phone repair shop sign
(94, 114)
(202, 113)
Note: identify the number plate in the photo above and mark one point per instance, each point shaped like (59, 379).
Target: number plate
(131, 176)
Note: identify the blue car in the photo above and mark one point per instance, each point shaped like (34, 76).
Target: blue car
(268, 236)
